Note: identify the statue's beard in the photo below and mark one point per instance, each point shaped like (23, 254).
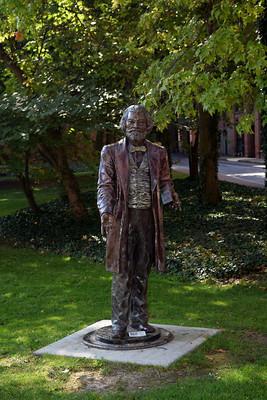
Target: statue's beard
(136, 136)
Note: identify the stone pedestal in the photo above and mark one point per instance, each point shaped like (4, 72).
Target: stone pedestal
(185, 339)
(133, 340)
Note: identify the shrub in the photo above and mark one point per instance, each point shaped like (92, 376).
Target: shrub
(55, 229)
(221, 242)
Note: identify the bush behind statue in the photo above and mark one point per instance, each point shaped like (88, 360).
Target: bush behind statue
(201, 242)
(55, 229)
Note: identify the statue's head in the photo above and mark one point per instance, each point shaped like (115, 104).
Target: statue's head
(136, 122)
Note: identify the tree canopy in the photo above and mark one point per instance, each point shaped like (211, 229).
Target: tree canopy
(70, 66)
(205, 52)
(198, 52)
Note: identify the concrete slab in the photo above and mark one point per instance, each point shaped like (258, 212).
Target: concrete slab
(185, 340)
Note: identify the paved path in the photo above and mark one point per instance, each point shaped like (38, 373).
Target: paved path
(251, 173)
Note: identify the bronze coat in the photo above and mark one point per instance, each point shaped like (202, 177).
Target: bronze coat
(112, 197)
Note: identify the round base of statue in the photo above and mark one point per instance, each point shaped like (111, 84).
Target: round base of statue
(133, 340)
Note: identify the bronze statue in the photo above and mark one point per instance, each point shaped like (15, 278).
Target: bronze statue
(134, 179)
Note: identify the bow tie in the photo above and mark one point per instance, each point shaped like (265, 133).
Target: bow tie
(137, 148)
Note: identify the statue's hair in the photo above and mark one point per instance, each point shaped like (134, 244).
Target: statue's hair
(136, 107)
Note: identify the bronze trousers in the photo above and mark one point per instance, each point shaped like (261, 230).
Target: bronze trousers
(129, 289)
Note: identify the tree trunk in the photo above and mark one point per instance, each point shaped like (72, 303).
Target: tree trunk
(209, 186)
(264, 147)
(58, 159)
(71, 185)
(166, 139)
(263, 34)
(193, 155)
(27, 187)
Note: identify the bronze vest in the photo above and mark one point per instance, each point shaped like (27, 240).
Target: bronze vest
(139, 184)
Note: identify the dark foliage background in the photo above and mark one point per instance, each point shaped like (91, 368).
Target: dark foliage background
(201, 242)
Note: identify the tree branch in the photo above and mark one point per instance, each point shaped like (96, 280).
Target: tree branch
(12, 65)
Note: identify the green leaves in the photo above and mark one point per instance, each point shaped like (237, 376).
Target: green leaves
(256, 61)
(210, 54)
(182, 52)
(245, 123)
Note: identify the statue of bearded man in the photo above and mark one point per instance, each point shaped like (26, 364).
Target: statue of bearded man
(134, 182)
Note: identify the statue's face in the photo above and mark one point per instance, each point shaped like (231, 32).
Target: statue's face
(136, 127)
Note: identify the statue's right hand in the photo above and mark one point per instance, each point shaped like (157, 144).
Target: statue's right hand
(107, 221)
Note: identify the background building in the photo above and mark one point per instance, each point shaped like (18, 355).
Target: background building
(233, 144)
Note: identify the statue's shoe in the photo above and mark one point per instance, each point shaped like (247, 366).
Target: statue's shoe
(118, 333)
(143, 327)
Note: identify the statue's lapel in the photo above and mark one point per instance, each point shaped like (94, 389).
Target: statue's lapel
(153, 159)
(123, 165)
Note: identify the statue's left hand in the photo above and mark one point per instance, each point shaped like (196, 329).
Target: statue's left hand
(107, 221)
(175, 206)
(176, 203)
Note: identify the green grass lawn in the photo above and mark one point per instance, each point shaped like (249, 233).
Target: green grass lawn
(45, 297)
(13, 199)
